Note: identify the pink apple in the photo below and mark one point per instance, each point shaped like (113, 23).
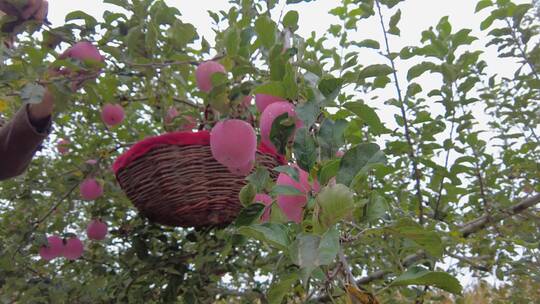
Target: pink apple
(73, 249)
(242, 170)
(96, 230)
(204, 73)
(267, 201)
(271, 112)
(63, 146)
(53, 249)
(292, 205)
(172, 113)
(233, 143)
(264, 100)
(112, 114)
(90, 189)
(189, 124)
(82, 51)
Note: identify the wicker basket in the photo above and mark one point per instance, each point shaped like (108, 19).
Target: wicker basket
(174, 180)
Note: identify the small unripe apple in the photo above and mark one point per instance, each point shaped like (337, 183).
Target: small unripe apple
(204, 73)
(53, 249)
(96, 230)
(73, 249)
(112, 114)
(233, 143)
(63, 146)
(264, 100)
(90, 189)
(340, 153)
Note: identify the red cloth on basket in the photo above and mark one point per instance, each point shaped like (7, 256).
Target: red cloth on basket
(184, 138)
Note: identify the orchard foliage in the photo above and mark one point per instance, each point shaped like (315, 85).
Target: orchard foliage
(399, 180)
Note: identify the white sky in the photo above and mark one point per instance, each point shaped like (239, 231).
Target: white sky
(417, 15)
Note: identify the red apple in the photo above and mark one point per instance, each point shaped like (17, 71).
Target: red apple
(112, 114)
(204, 73)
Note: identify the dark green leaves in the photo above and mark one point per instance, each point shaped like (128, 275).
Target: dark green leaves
(375, 70)
(282, 129)
(394, 20)
(367, 115)
(368, 43)
(420, 69)
(421, 276)
(331, 137)
(291, 20)
(271, 233)
(330, 86)
(310, 251)
(428, 240)
(358, 160)
(274, 88)
(249, 215)
(266, 31)
(332, 204)
(305, 149)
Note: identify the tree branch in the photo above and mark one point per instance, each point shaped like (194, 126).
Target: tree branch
(416, 172)
(466, 230)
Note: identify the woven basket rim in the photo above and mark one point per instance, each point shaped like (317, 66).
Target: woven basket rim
(181, 138)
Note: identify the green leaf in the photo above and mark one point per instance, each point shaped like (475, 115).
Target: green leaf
(310, 251)
(305, 149)
(330, 137)
(260, 178)
(367, 115)
(232, 40)
(275, 88)
(420, 276)
(247, 194)
(482, 5)
(266, 31)
(271, 233)
(394, 20)
(328, 170)
(285, 190)
(375, 70)
(32, 93)
(80, 15)
(332, 204)
(428, 240)
(420, 69)
(359, 159)
(282, 130)
(290, 171)
(249, 215)
(368, 43)
(376, 207)
(291, 20)
(181, 34)
(277, 291)
(330, 86)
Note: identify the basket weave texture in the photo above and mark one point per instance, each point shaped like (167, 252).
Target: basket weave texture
(182, 184)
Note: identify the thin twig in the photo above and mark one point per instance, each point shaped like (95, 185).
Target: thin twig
(416, 172)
